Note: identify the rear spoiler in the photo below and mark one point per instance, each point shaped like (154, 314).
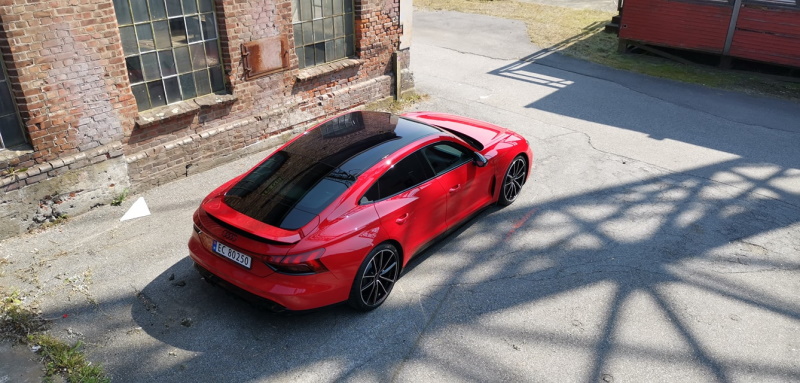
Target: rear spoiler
(221, 211)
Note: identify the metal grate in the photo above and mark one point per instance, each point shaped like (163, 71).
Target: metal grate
(171, 49)
(323, 30)
(11, 133)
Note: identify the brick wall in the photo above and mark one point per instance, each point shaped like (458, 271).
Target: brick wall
(67, 70)
(68, 75)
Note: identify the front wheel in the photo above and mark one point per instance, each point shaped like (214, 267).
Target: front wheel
(513, 181)
(375, 278)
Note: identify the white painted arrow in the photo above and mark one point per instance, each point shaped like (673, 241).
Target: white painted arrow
(138, 209)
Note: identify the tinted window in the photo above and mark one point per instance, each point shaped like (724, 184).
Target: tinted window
(446, 156)
(288, 191)
(409, 172)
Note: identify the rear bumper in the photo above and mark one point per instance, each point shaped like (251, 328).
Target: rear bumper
(244, 294)
(283, 292)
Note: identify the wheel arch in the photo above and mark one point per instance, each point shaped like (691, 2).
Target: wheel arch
(399, 248)
(528, 162)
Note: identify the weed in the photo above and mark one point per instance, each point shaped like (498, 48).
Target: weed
(119, 198)
(12, 171)
(22, 324)
(397, 106)
(16, 320)
(66, 360)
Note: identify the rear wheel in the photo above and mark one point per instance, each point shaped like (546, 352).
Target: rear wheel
(375, 278)
(513, 181)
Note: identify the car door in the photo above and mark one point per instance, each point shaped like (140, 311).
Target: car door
(468, 187)
(411, 205)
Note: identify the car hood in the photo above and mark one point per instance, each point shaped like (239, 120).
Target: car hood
(484, 132)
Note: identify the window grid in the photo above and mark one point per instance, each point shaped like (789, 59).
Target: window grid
(172, 50)
(11, 133)
(323, 30)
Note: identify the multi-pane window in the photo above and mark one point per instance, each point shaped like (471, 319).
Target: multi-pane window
(171, 49)
(10, 128)
(323, 30)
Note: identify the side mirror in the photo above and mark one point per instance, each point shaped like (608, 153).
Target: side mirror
(479, 160)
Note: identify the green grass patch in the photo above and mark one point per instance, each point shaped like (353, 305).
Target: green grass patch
(579, 33)
(22, 324)
(67, 361)
(119, 198)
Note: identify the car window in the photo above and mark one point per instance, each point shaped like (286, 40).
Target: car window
(407, 173)
(445, 156)
(288, 191)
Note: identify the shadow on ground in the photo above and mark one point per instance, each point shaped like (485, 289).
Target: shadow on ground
(672, 275)
(665, 241)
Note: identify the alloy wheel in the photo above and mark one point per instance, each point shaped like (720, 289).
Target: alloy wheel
(514, 179)
(378, 277)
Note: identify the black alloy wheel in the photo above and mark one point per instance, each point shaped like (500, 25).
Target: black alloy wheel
(513, 181)
(375, 278)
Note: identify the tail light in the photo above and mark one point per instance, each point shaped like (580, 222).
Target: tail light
(299, 264)
(205, 239)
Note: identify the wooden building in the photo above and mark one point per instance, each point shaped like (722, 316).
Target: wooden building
(760, 30)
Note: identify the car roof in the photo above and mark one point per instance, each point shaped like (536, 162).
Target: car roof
(356, 141)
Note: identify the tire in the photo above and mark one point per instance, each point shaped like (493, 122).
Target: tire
(376, 278)
(513, 180)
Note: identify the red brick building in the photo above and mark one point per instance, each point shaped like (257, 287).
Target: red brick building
(99, 96)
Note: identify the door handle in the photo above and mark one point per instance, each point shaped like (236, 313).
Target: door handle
(455, 188)
(402, 219)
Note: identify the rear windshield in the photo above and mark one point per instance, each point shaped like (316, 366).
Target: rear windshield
(294, 185)
(288, 191)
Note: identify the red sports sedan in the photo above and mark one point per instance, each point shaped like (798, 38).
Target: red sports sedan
(336, 213)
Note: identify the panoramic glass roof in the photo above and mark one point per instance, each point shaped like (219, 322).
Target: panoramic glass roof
(297, 183)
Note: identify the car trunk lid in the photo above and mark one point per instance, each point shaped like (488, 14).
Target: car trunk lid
(484, 132)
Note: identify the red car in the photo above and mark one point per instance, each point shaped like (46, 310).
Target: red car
(336, 213)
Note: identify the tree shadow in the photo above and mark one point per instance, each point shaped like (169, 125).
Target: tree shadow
(677, 242)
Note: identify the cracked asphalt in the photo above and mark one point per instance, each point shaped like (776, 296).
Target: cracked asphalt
(657, 239)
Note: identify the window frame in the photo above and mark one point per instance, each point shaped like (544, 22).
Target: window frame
(310, 36)
(428, 176)
(14, 110)
(462, 160)
(165, 68)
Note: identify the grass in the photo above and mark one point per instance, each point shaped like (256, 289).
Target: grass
(16, 320)
(22, 324)
(67, 361)
(396, 106)
(119, 198)
(579, 33)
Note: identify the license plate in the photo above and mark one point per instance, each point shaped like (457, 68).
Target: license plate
(225, 251)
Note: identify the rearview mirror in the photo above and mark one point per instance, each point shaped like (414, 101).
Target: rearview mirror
(479, 160)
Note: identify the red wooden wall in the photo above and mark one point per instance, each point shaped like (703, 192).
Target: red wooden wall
(676, 24)
(769, 35)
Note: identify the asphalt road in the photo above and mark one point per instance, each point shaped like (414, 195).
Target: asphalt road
(657, 240)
